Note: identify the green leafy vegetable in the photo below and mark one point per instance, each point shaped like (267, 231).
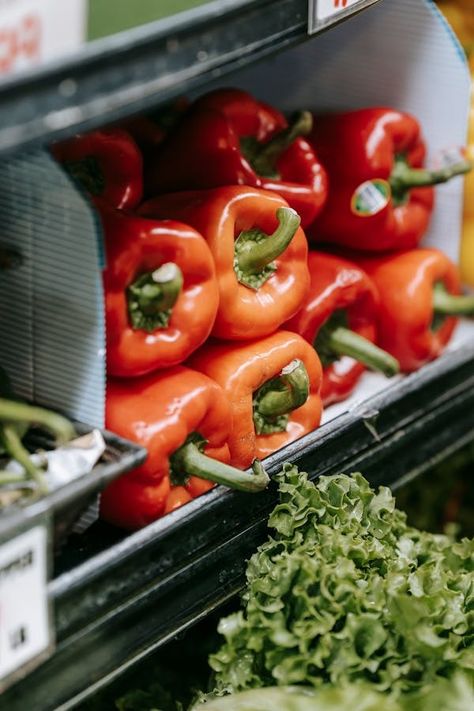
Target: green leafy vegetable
(351, 698)
(345, 592)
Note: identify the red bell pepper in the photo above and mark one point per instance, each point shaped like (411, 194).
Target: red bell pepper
(161, 294)
(259, 251)
(273, 386)
(339, 319)
(419, 299)
(149, 131)
(230, 138)
(107, 163)
(382, 148)
(183, 419)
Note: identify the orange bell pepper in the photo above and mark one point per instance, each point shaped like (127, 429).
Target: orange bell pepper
(273, 386)
(419, 298)
(183, 419)
(259, 251)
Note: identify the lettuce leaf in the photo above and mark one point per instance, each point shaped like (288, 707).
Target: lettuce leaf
(345, 591)
(355, 698)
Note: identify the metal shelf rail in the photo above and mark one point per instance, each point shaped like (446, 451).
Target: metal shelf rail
(135, 70)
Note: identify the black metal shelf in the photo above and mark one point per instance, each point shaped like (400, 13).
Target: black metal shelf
(120, 597)
(136, 70)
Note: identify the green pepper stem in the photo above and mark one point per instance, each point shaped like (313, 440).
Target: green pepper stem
(14, 447)
(189, 460)
(7, 477)
(22, 413)
(404, 177)
(266, 154)
(285, 393)
(253, 255)
(451, 304)
(152, 296)
(343, 341)
(279, 396)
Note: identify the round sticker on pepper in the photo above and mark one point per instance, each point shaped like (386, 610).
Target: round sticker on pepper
(370, 197)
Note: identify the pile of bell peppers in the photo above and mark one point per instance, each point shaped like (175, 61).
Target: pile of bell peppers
(226, 332)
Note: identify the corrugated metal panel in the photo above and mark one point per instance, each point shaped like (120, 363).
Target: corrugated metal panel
(51, 308)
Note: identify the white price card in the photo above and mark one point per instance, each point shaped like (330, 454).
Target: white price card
(24, 610)
(322, 12)
(33, 32)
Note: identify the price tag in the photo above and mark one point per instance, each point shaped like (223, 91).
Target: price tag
(323, 12)
(33, 32)
(25, 632)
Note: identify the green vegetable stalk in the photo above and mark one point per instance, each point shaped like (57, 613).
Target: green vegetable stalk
(15, 420)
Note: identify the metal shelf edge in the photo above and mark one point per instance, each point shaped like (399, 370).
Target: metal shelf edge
(139, 69)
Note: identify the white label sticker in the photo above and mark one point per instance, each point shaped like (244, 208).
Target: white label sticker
(370, 197)
(24, 611)
(322, 11)
(33, 32)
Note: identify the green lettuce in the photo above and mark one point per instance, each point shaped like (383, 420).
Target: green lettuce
(345, 591)
(352, 698)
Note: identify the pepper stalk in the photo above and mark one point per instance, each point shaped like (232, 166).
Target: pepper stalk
(279, 396)
(152, 295)
(446, 304)
(190, 460)
(404, 177)
(335, 339)
(255, 251)
(263, 157)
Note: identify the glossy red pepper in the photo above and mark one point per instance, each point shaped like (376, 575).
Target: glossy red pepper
(230, 138)
(384, 148)
(107, 163)
(259, 251)
(339, 319)
(273, 386)
(183, 419)
(161, 294)
(419, 299)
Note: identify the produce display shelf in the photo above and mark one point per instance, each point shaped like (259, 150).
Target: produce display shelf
(118, 597)
(135, 70)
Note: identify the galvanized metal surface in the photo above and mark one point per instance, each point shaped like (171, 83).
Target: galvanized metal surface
(130, 596)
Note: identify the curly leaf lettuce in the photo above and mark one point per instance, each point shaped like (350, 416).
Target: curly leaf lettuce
(345, 591)
(355, 698)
